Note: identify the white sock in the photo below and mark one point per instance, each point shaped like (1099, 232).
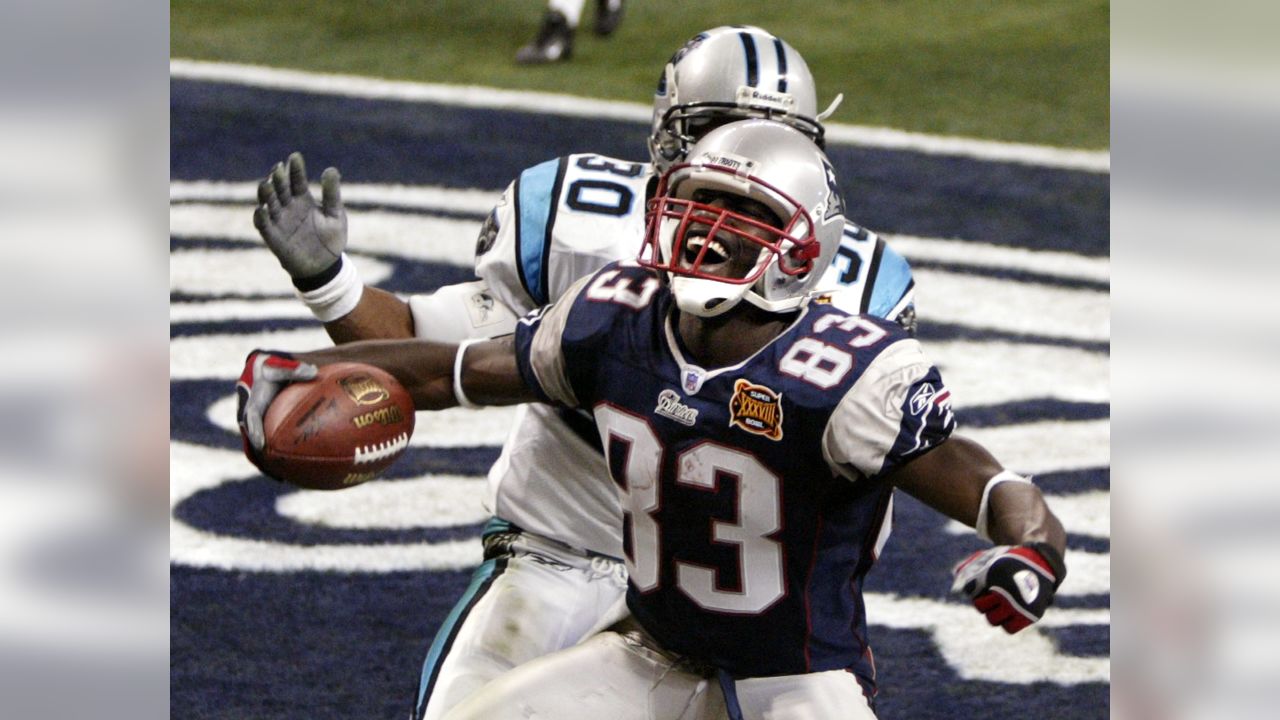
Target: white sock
(571, 9)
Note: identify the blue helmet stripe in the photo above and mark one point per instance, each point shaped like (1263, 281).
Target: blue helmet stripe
(753, 65)
(782, 64)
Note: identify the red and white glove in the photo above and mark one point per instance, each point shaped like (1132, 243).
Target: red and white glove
(1011, 584)
(266, 372)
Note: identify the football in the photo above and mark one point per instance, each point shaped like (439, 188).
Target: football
(339, 430)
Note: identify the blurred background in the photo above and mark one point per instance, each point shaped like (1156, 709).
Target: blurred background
(1032, 71)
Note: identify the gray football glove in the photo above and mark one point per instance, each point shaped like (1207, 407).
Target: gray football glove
(307, 239)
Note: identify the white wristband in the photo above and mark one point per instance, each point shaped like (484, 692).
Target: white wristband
(458, 394)
(1004, 476)
(337, 297)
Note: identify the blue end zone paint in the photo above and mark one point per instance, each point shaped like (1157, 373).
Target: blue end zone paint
(1082, 641)
(247, 509)
(231, 132)
(915, 684)
(312, 645)
(1012, 413)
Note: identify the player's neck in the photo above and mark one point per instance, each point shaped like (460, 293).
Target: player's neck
(730, 338)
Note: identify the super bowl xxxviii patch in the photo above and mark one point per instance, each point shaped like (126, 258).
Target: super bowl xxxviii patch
(756, 409)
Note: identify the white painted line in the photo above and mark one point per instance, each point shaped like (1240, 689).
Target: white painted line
(419, 197)
(977, 254)
(193, 219)
(417, 237)
(569, 105)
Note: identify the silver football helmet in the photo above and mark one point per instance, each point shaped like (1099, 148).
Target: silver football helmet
(726, 74)
(697, 229)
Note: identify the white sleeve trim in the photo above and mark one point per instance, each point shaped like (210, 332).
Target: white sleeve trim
(458, 394)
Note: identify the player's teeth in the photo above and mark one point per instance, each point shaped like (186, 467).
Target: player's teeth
(715, 251)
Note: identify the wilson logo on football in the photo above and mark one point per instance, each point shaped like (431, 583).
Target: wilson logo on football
(756, 409)
(363, 390)
(389, 415)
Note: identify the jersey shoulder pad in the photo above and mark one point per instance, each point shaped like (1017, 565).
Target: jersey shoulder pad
(560, 220)
(868, 276)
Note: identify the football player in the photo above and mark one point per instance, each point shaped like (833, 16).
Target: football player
(554, 41)
(754, 433)
(551, 574)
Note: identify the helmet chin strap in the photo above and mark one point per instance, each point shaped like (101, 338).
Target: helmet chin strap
(831, 108)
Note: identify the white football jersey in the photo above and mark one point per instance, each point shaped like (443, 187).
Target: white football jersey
(558, 222)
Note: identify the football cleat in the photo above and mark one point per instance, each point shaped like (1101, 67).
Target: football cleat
(608, 15)
(553, 43)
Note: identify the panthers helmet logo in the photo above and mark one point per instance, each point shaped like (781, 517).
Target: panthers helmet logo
(676, 57)
(488, 234)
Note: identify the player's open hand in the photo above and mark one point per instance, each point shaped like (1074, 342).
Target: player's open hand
(266, 373)
(308, 239)
(1011, 584)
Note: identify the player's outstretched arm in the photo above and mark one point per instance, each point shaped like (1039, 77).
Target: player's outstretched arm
(1014, 582)
(437, 375)
(309, 240)
(486, 372)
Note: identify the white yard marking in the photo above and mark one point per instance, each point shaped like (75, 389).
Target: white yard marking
(1086, 513)
(1047, 446)
(977, 651)
(222, 356)
(991, 372)
(978, 254)
(196, 468)
(1025, 308)
(217, 310)
(424, 197)
(408, 235)
(254, 271)
(452, 428)
(430, 501)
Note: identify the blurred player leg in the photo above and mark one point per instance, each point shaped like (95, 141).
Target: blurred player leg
(529, 598)
(608, 15)
(835, 693)
(555, 37)
(610, 676)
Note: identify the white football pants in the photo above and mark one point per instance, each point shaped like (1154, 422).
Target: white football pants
(538, 598)
(616, 676)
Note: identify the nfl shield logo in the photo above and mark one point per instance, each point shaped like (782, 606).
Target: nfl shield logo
(692, 380)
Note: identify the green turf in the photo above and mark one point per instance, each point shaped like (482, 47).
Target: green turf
(1020, 70)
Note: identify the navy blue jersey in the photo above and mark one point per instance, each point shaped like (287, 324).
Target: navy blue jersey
(753, 495)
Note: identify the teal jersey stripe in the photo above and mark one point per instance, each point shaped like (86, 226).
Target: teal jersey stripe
(536, 198)
(892, 280)
(480, 580)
